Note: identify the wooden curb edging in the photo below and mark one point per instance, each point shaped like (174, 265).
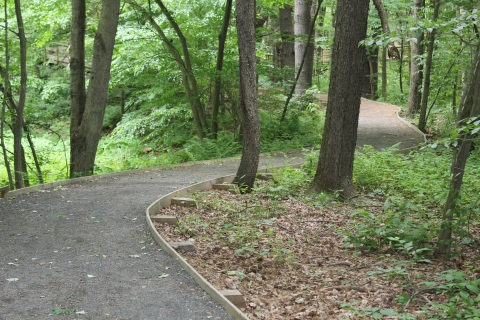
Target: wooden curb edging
(165, 201)
(202, 282)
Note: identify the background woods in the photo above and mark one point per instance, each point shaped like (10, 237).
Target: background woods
(101, 86)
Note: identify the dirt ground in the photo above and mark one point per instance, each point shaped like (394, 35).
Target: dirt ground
(83, 250)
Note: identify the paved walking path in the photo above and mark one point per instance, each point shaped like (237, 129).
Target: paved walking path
(85, 249)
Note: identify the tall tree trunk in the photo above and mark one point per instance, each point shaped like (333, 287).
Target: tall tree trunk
(222, 37)
(416, 74)
(335, 165)
(302, 30)
(4, 104)
(471, 108)
(87, 111)
(427, 71)
(287, 46)
(400, 68)
(245, 12)
(384, 73)
(382, 14)
(18, 157)
(300, 67)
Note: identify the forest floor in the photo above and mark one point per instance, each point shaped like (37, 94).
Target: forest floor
(82, 250)
(289, 259)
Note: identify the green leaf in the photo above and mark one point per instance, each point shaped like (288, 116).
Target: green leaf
(473, 289)
(57, 310)
(388, 312)
(464, 294)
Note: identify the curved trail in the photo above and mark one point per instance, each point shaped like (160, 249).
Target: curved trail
(85, 247)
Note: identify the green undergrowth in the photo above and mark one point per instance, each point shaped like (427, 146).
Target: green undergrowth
(401, 227)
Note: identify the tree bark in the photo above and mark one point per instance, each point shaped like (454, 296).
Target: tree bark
(18, 157)
(4, 104)
(422, 123)
(335, 167)
(416, 74)
(87, 111)
(246, 173)
(302, 30)
(471, 107)
(287, 46)
(222, 37)
(382, 14)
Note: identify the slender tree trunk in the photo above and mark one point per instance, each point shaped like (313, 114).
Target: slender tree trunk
(34, 153)
(187, 74)
(300, 67)
(287, 52)
(246, 173)
(78, 94)
(382, 14)
(88, 110)
(24, 169)
(18, 157)
(188, 66)
(471, 107)
(302, 28)
(335, 165)
(427, 71)
(384, 73)
(400, 68)
(370, 78)
(4, 104)
(416, 74)
(222, 37)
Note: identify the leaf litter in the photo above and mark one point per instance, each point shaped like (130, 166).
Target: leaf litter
(289, 260)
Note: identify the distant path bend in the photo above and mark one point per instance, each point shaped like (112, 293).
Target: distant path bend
(380, 126)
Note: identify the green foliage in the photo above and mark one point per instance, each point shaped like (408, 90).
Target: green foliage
(374, 313)
(464, 296)
(225, 146)
(301, 127)
(415, 186)
(421, 177)
(285, 182)
(399, 227)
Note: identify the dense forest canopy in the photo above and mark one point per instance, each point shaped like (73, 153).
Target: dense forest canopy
(161, 101)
